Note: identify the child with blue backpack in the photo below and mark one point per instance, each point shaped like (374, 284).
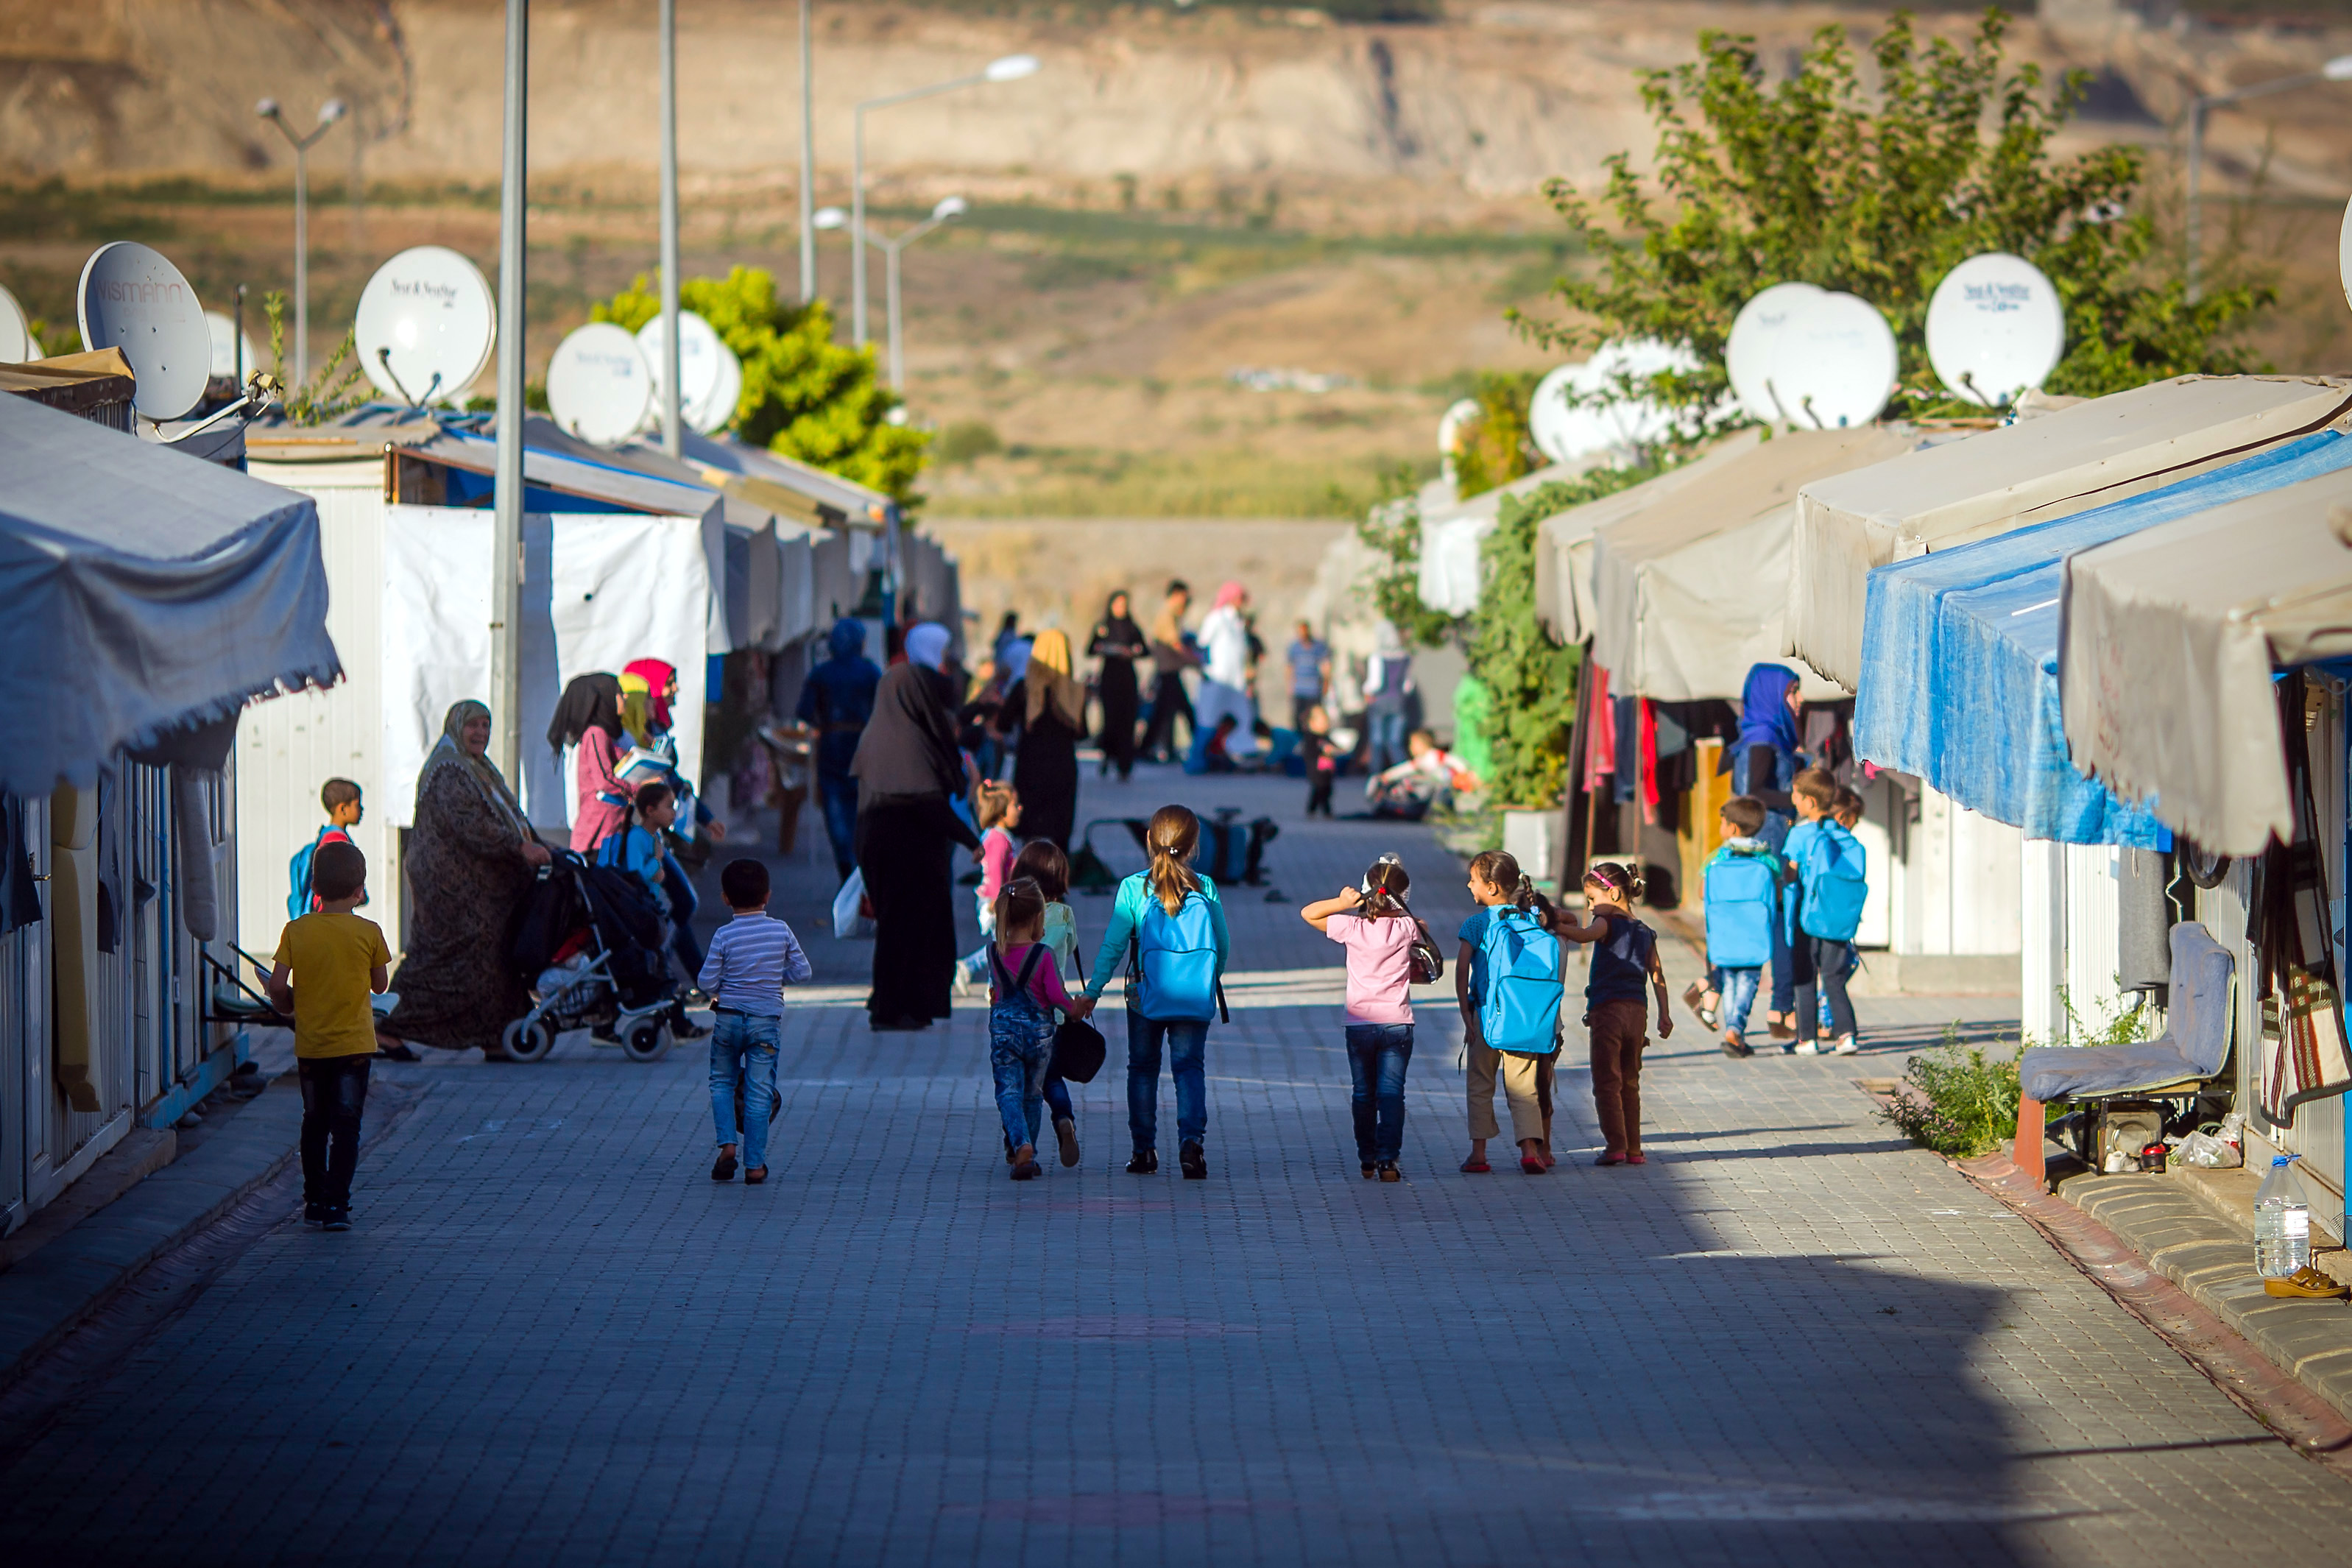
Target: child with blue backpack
(1508, 981)
(1166, 933)
(340, 799)
(1624, 958)
(1742, 900)
(1370, 921)
(1829, 870)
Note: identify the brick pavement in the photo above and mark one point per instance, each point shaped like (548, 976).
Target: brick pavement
(1789, 1339)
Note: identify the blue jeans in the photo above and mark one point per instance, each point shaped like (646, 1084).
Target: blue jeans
(1853, 963)
(743, 1048)
(1018, 1054)
(1386, 727)
(1378, 1055)
(839, 798)
(1784, 972)
(1739, 987)
(1186, 1042)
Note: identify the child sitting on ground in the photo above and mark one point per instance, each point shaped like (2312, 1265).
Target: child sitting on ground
(996, 807)
(1026, 990)
(1426, 780)
(1625, 957)
(752, 958)
(329, 961)
(1370, 921)
(1044, 863)
(1742, 899)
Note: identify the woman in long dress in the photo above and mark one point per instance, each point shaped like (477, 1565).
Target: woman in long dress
(470, 861)
(1119, 643)
(908, 770)
(1051, 707)
(588, 716)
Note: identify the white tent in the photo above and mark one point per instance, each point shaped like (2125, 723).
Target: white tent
(1451, 536)
(2170, 637)
(1690, 592)
(2036, 470)
(1564, 542)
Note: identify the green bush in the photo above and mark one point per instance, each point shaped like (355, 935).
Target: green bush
(967, 440)
(1956, 1099)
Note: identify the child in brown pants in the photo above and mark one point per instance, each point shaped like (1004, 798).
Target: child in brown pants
(1625, 958)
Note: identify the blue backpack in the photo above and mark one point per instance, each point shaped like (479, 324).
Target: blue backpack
(1173, 963)
(1521, 1012)
(1743, 895)
(1836, 885)
(297, 873)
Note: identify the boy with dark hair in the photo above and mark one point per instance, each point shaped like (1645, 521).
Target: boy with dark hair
(339, 799)
(1741, 896)
(752, 958)
(1829, 870)
(329, 960)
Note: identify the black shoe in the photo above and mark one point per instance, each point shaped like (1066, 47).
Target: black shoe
(1371, 1170)
(337, 1219)
(1065, 1133)
(722, 1169)
(1195, 1163)
(1146, 1162)
(313, 1212)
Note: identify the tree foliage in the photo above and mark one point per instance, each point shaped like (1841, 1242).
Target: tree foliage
(1498, 447)
(804, 396)
(1879, 192)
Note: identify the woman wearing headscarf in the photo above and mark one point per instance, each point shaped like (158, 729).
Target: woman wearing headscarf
(648, 687)
(836, 701)
(470, 864)
(1119, 643)
(1763, 763)
(588, 716)
(1051, 709)
(908, 771)
(1226, 667)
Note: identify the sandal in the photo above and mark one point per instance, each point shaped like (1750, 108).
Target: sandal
(754, 1175)
(2306, 1284)
(723, 1168)
(1610, 1158)
(1635, 1158)
(1024, 1163)
(1476, 1167)
(1531, 1166)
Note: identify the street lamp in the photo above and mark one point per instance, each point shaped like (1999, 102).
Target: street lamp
(2337, 69)
(328, 113)
(948, 210)
(1011, 68)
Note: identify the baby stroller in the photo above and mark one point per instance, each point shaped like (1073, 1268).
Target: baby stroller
(590, 941)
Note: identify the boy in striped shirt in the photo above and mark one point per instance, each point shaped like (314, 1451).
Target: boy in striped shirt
(751, 960)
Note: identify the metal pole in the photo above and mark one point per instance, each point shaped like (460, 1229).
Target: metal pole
(2196, 164)
(890, 250)
(808, 166)
(671, 423)
(506, 539)
(857, 231)
(302, 263)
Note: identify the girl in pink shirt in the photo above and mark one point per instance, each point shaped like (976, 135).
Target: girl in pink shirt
(1374, 924)
(998, 811)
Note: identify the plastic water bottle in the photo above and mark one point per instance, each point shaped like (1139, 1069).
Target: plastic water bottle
(2282, 1222)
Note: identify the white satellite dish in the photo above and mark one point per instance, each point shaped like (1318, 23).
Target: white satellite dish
(1748, 352)
(716, 409)
(1996, 326)
(1565, 424)
(1455, 423)
(698, 349)
(426, 326)
(225, 346)
(1834, 363)
(17, 345)
(132, 297)
(599, 386)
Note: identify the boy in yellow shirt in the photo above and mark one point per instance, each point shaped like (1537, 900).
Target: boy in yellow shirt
(328, 963)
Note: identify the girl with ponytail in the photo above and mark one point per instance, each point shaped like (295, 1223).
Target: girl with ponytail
(1496, 882)
(1624, 958)
(1371, 922)
(1168, 936)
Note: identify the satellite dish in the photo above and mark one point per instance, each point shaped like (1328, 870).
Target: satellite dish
(1833, 363)
(599, 386)
(1747, 355)
(132, 297)
(18, 344)
(1996, 326)
(1453, 423)
(1566, 425)
(225, 346)
(425, 327)
(698, 349)
(716, 409)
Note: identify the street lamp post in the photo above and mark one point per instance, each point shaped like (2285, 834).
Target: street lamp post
(808, 166)
(948, 209)
(1011, 68)
(328, 113)
(2337, 69)
(505, 536)
(670, 408)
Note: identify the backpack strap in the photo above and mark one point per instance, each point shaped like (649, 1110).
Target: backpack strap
(1016, 987)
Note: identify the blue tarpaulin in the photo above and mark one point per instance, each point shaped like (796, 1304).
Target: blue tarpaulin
(1960, 678)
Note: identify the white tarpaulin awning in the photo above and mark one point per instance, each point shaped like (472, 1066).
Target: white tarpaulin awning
(2170, 637)
(146, 591)
(1564, 542)
(857, 504)
(2036, 470)
(1451, 536)
(1689, 593)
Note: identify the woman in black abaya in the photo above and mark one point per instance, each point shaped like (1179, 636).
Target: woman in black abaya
(908, 770)
(1119, 642)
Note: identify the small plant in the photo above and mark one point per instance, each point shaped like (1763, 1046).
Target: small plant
(1957, 1101)
(335, 389)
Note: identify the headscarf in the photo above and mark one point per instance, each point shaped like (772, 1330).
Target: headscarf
(1387, 641)
(910, 746)
(1013, 661)
(1764, 716)
(658, 677)
(1049, 682)
(1229, 594)
(482, 773)
(635, 699)
(848, 636)
(926, 644)
(589, 702)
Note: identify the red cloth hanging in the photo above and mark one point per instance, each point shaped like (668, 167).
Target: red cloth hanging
(1649, 763)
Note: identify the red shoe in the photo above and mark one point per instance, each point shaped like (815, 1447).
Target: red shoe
(1610, 1158)
(1533, 1166)
(1637, 1158)
(1476, 1167)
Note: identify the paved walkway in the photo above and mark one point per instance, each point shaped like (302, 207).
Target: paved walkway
(1789, 1339)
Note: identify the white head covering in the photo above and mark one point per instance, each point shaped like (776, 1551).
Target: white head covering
(927, 644)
